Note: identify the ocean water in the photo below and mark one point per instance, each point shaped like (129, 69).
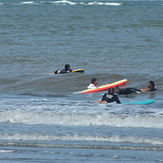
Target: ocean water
(41, 120)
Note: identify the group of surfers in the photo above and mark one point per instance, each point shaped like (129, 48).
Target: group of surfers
(113, 93)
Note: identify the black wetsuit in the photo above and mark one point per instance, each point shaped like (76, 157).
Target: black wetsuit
(56, 72)
(65, 71)
(61, 71)
(153, 89)
(128, 90)
(110, 98)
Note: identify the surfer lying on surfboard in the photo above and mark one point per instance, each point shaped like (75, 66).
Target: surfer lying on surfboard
(109, 97)
(67, 69)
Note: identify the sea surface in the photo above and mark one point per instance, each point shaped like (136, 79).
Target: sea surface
(41, 120)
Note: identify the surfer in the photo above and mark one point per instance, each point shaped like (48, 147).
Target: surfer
(93, 83)
(109, 97)
(150, 87)
(125, 91)
(67, 69)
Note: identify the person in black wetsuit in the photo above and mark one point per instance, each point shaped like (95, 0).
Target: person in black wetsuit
(109, 97)
(125, 91)
(67, 69)
(150, 87)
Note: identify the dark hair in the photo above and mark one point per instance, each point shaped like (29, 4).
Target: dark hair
(67, 66)
(152, 83)
(116, 87)
(93, 80)
(111, 90)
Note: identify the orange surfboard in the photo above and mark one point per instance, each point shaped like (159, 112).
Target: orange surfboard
(102, 87)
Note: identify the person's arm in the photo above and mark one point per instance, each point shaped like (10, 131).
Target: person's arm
(104, 97)
(145, 90)
(117, 99)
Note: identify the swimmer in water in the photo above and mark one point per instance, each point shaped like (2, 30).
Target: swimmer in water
(93, 83)
(109, 97)
(150, 87)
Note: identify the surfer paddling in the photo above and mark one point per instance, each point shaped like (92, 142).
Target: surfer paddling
(67, 69)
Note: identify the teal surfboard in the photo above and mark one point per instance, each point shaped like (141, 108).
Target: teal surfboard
(143, 102)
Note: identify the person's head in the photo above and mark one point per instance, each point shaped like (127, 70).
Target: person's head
(110, 90)
(67, 67)
(151, 84)
(94, 81)
(116, 89)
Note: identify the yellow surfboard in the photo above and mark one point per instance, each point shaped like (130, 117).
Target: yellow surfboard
(78, 70)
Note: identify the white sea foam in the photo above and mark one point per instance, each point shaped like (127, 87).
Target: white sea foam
(113, 139)
(64, 2)
(27, 2)
(81, 117)
(78, 113)
(6, 151)
(82, 3)
(104, 3)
